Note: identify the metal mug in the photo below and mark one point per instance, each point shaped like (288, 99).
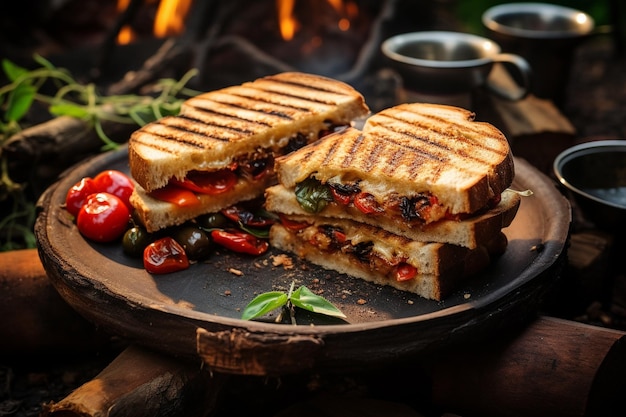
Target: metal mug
(443, 62)
(546, 35)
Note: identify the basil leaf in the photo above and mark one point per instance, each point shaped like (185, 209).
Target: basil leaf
(312, 195)
(264, 303)
(306, 299)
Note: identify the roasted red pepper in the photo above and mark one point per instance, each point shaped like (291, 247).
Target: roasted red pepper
(211, 183)
(165, 255)
(366, 203)
(292, 225)
(239, 214)
(239, 241)
(176, 195)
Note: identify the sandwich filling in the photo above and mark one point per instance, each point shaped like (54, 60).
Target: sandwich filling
(421, 208)
(253, 168)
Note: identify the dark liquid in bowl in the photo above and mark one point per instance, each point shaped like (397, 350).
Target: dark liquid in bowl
(613, 195)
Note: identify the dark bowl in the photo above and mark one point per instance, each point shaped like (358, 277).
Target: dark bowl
(595, 173)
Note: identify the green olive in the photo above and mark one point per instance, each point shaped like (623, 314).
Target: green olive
(135, 241)
(212, 221)
(194, 240)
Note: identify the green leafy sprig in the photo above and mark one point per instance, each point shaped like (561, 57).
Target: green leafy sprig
(302, 297)
(83, 101)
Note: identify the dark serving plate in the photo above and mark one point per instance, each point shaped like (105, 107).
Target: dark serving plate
(195, 313)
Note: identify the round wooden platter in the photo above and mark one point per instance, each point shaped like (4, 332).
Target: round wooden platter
(195, 313)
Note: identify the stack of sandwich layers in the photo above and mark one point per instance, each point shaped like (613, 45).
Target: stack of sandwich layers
(416, 200)
(220, 149)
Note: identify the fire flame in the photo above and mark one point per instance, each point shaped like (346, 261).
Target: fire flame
(288, 24)
(169, 20)
(170, 17)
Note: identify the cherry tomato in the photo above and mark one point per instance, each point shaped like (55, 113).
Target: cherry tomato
(116, 183)
(103, 218)
(239, 241)
(78, 193)
(340, 198)
(165, 255)
(367, 203)
(176, 195)
(215, 182)
(405, 272)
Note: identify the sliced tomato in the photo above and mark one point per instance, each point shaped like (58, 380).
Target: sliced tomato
(341, 198)
(214, 182)
(367, 203)
(405, 272)
(176, 195)
(292, 225)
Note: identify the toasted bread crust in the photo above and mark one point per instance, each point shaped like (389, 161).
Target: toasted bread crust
(409, 149)
(435, 286)
(471, 232)
(216, 128)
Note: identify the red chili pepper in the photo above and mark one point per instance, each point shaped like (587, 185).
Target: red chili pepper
(239, 241)
(164, 255)
(405, 272)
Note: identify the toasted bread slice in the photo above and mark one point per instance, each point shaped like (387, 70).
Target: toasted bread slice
(220, 128)
(439, 267)
(410, 150)
(470, 232)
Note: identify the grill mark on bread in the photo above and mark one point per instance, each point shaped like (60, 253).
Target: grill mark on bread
(194, 125)
(314, 88)
(313, 101)
(242, 106)
(424, 139)
(349, 156)
(225, 115)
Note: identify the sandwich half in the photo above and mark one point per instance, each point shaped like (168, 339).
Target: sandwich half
(220, 148)
(416, 200)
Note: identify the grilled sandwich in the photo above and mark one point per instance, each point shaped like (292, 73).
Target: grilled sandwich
(220, 148)
(416, 200)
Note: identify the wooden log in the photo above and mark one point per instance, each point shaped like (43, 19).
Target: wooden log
(554, 368)
(141, 383)
(36, 321)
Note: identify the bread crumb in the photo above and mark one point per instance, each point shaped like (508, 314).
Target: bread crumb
(467, 296)
(235, 271)
(227, 292)
(410, 302)
(283, 260)
(361, 301)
